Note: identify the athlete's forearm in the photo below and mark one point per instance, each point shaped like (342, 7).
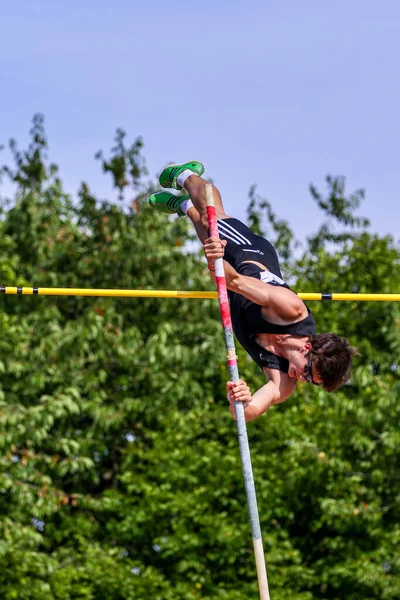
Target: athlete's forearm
(255, 290)
(211, 271)
(251, 288)
(250, 412)
(261, 401)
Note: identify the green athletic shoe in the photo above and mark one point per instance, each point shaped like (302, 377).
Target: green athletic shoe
(168, 177)
(167, 203)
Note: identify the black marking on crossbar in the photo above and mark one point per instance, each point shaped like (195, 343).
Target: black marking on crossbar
(19, 289)
(35, 290)
(2, 289)
(326, 296)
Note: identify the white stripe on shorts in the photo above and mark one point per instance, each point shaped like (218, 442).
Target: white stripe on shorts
(225, 235)
(232, 234)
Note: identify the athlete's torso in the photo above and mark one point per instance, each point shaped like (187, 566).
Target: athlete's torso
(254, 256)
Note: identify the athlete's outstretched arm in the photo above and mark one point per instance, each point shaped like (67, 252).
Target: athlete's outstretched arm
(279, 387)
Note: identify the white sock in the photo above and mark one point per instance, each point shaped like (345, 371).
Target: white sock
(185, 205)
(183, 176)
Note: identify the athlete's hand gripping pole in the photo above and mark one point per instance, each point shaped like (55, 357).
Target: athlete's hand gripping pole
(239, 410)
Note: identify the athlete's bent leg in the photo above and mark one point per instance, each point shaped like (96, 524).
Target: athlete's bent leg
(196, 188)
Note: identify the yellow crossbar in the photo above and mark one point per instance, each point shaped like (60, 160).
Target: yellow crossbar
(29, 291)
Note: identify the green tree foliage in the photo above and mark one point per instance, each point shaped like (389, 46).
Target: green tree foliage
(120, 474)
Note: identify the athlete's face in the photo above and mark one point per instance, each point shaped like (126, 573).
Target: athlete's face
(301, 366)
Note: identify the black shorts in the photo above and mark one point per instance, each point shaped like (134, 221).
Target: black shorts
(245, 245)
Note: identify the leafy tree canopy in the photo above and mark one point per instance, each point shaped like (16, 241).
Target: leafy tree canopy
(120, 474)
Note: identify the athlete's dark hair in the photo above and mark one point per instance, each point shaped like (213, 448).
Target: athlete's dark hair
(332, 356)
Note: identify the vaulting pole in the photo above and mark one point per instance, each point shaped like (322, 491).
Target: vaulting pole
(239, 410)
(99, 292)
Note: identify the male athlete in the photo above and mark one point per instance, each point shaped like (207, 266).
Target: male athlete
(270, 321)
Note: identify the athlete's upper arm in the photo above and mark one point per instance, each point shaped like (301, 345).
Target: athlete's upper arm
(283, 304)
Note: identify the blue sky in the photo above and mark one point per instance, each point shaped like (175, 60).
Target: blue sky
(277, 93)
